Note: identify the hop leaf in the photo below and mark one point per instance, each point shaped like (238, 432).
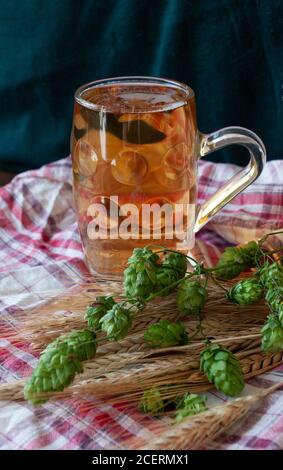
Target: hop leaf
(140, 276)
(272, 334)
(274, 298)
(116, 322)
(234, 260)
(165, 333)
(246, 292)
(190, 404)
(59, 363)
(191, 297)
(222, 369)
(271, 276)
(97, 309)
(151, 401)
(177, 262)
(230, 264)
(250, 252)
(165, 277)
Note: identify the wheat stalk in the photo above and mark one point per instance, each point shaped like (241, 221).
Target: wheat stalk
(126, 376)
(122, 370)
(66, 311)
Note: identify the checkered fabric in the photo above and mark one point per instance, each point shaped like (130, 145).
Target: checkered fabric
(41, 255)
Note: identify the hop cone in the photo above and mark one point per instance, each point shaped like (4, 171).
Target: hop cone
(189, 405)
(165, 277)
(165, 333)
(116, 322)
(246, 292)
(191, 297)
(271, 276)
(59, 363)
(172, 269)
(234, 260)
(151, 401)
(274, 298)
(140, 276)
(272, 334)
(177, 262)
(97, 309)
(222, 369)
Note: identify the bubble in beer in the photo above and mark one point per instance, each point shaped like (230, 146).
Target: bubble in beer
(174, 161)
(129, 167)
(84, 158)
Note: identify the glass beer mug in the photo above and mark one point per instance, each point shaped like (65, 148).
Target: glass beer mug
(135, 147)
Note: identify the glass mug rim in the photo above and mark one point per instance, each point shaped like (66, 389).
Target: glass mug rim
(132, 81)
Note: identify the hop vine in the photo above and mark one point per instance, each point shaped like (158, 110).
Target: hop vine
(153, 274)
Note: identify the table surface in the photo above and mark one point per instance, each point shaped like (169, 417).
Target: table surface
(41, 254)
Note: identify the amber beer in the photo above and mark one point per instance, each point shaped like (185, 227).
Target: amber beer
(133, 145)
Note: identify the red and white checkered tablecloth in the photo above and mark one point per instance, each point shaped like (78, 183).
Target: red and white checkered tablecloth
(41, 255)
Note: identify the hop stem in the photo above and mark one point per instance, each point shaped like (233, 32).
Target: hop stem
(171, 286)
(265, 237)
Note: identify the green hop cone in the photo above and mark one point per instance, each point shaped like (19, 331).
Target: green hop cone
(246, 292)
(172, 270)
(190, 404)
(140, 276)
(97, 310)
(82, 342)
(165, 333)
(59, 363)
(116, 322)
(235, 260)
(165, 277)
(191, 297)
(272, 334)
(222, 369)
(274, 298)
(271, 275)
(151, 402)
(177, 262)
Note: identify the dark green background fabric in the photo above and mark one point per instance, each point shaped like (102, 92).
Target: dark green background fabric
(229, 51)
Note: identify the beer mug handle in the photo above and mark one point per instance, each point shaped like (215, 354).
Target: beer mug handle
(210, 143)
